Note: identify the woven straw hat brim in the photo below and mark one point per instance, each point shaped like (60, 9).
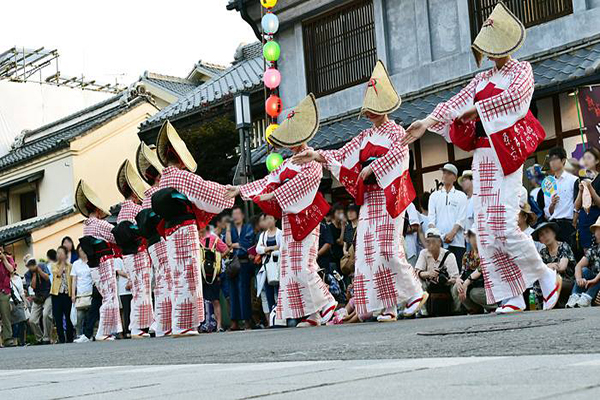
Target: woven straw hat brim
(300, 126)
(84, 195)
(127, 177)
(381, 96)
(501, 35)
(145, 157)
(168, 135)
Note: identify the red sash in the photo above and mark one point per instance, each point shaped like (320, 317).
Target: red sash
(302, 223)
(512, 145)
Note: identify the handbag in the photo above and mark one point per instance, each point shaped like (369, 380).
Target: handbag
(83, 301)
(232, 267)
(211, 262)
(347, 263)
(272, 268)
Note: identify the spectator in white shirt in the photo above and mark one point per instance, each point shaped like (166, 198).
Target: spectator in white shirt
(560, 207)
(466, 183)
(448, 213)
(82, 282)
(411, 234)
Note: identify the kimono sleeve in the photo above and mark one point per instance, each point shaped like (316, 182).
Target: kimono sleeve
(349, 151)
(258, 187)
(512, 103)
(299, 192)
(104, 230)
(445, 113)
(206, 195)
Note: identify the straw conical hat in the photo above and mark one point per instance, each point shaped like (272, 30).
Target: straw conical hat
(168, 135)
(146, 157)
(300, 125)
(86, 199)
(381, 96)
(501, 34)
(128, 178)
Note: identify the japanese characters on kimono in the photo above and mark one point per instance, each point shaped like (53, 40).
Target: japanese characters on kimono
(502, 98)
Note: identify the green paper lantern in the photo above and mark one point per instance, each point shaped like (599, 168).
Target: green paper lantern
(271, 51)
(274, 160)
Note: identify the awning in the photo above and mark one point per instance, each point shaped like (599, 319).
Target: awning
(36, 176)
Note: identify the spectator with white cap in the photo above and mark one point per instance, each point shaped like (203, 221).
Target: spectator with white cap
(448, 211)
(438, 271)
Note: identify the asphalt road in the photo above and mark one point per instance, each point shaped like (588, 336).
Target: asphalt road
(530, 333)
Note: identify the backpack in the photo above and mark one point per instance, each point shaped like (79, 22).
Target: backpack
(210, 261)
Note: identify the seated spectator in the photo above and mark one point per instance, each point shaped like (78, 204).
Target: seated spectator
(351, 226)
(37, 278)
(61, 291)
(470, 287)
(557, 256)
(527, 220)
(211, 285)
(7, 267)
(587, 274)
(438, 271)
(82, 289)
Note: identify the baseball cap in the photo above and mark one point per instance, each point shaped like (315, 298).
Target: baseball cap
(450, 168)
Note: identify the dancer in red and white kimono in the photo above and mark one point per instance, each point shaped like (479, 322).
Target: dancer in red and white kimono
(150, 168)
(185, 201)
(136, 260)
(291, 193)
(100, 253)
(491, 116)
(373, 167)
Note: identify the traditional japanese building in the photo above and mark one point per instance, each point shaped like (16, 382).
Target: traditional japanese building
(329, 48)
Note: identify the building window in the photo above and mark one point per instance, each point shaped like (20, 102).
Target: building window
(339, 48)
(28, 205)
(530, 12)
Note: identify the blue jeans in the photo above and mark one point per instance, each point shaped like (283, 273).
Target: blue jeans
(591, 291)
(239, 293)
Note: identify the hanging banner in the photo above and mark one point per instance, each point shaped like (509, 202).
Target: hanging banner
(589, 102)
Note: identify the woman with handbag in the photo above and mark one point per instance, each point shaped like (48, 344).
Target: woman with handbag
(373, 167)
(20, 313)
(292, 193)
(82, 289)
(60, 291)
(491, 117)
(269, 243)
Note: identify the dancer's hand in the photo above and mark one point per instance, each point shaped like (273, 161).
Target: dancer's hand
(365, 173)
(416, 130)
(469, 115)
(266, 197)
(305, 157)
(231, 192)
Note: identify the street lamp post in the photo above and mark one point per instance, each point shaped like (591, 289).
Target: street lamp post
(243, 121)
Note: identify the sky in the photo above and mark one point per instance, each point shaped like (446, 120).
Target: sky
(109, 40)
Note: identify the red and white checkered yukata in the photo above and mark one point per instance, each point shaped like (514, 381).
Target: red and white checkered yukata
(163, 279)
(505, 136)
(183, 245)
(302, 292)
(139, 269)
(383, 277)
(110, 315)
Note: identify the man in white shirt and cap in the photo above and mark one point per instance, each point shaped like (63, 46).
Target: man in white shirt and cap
(448, 213)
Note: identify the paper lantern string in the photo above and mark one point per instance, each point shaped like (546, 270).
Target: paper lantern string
(373, 84)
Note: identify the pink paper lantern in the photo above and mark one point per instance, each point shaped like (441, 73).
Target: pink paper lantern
(272, 78)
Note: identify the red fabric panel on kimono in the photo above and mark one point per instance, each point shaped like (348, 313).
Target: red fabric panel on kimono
(203, 218)
(269, 207)
(515, 144)
(462, 135)
(308, 219)
(399, 194)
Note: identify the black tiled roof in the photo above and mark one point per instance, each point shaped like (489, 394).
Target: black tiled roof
(19, 230)
(557, 69)
(178, 87)
(244, 75)
(59, 134)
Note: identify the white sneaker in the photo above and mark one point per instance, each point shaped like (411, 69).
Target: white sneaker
(82, 339)
(573, 299)
(585, 300)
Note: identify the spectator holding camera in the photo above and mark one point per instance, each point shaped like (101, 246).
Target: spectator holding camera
(470, 287)
(437, 269)
(37, 278)
(6, 270)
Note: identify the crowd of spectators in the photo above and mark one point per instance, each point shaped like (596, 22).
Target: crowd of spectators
(56, 299)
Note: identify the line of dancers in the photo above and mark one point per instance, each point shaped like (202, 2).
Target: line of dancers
(166, 205)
